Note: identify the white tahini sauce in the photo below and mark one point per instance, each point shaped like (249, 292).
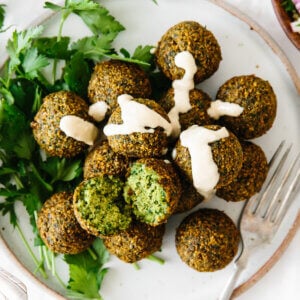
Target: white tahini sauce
(79, 129)
(204, 169)
(98, 110)
(182, 87)
(221, 108)
(136, 117)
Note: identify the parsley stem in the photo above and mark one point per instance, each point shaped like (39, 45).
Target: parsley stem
(92, 254)
(39, 177)
(156, 259)
(18, 182)
(37, 263)
(46, 255)
(53, 270)
(136, 266)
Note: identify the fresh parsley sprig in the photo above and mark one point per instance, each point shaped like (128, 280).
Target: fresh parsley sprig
(27, 175)
(87, 272)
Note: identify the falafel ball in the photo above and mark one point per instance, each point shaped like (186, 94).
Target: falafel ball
(226, 153)
(207, 240)
(251, 176)
(113, 78)
(153, 143)
(99, 206)
(193, 37)
(102, 160)
(257, 98)
(189, 196)
(200, 102)
(153, 190)
(135, 243)
(46, 123)
(58, 227)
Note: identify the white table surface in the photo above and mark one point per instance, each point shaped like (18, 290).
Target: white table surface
(283, 280)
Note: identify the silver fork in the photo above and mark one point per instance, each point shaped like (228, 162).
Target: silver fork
(262, 214)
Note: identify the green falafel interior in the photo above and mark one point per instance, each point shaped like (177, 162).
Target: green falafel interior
(99, 206)
(146, 195)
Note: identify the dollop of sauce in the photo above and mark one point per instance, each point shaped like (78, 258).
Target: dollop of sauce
(79, 129)
(204, 169)
(136, 117)
(182, 87)
(98, 110)
(221, 108)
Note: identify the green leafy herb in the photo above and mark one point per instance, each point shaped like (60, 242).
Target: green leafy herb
(95, 16)
(77, 74)
(20, 43)
(288, 5)
(27, 175)
(2, 16)
(87, 272)
(50, 47)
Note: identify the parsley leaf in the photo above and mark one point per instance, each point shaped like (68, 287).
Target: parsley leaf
(95, 16)
(94, 47)
(33, 62)
(61, 168)
(2, 16)
(50, 47)
(87, 272)
(19, 43)
(77, 74)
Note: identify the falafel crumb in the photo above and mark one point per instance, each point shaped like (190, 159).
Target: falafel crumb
(79, 129)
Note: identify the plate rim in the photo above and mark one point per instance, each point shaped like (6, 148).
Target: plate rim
(272, 44)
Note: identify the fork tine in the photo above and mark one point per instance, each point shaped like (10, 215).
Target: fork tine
(265, 194)
(252, 203)
(286, 202)
(274, 203)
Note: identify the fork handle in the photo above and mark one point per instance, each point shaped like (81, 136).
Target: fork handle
(228, 290)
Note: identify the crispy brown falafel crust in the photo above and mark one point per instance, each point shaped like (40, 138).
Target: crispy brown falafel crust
(113, 78)
(58, 226)
(46, 124)
(257, 98)
(137, 242)
(207, 240)
(102, 160)
(139, 144)
(227, 154)
(197, 115)
(193, 37)
(189, 196)
(250, 178)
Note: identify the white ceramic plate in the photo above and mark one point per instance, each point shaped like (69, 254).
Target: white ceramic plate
(244, 51)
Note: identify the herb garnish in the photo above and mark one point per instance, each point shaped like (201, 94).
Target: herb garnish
(27, 174)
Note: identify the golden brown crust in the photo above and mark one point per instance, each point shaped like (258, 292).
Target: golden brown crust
(251, 176)
(137, 242)
(193, 37)
(207, 240)
(257, 98)
(46, 122)
(140, 144)
(113, 78)
(102, 160)
(197, 115)
(227, 154)
(59, 228)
